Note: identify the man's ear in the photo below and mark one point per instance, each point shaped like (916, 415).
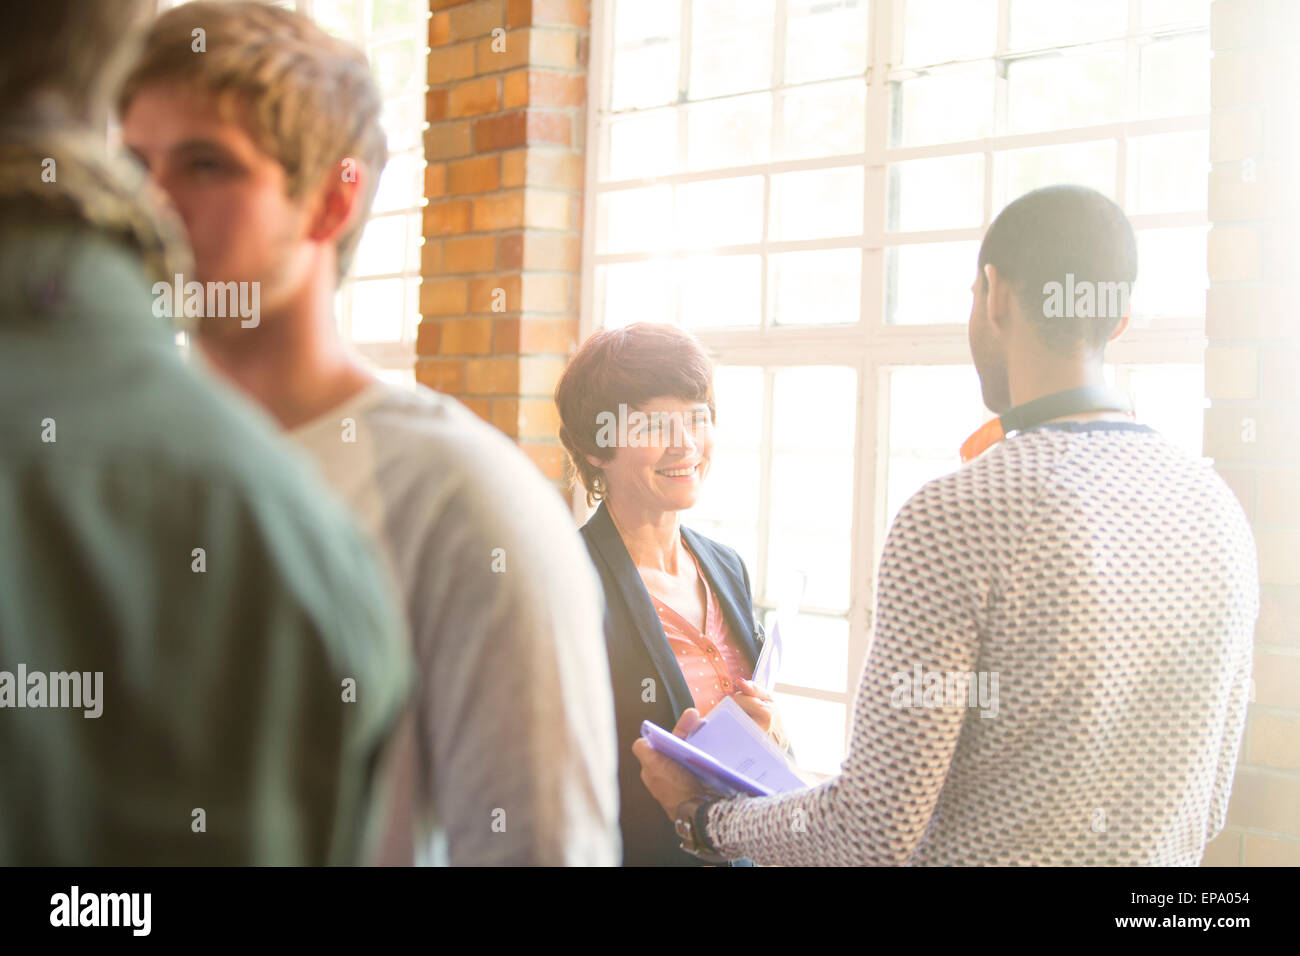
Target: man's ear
(998, 298)
(339, 200)
(1121, 328)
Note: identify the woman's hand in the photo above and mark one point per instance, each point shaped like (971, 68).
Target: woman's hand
(761, 708)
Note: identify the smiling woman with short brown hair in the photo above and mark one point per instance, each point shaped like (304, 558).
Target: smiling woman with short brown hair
(637, 412)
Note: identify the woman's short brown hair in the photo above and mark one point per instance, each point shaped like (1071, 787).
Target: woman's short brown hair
(625, 366)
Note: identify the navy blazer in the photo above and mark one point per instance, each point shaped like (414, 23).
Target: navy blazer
(648, 684)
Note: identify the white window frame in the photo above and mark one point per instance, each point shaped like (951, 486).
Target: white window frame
(871, 347)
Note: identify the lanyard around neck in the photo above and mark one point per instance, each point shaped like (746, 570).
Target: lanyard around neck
(1074, 401)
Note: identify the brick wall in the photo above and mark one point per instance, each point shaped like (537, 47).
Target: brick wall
(502, 253)
(1252, 374)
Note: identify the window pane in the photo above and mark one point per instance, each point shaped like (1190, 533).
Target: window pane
(338, 17)
(383, 247)
(1075, 88)
(817, 204)
(825, 38)
(822, 287)
(932, 410)
(645, 53)
(635, 292)
(944, 193)
(814, 415)
(377, 312)
(930, 283)
(642, 146)
(1176, 76)
(1019, 171)
(936, 31)
(816, 729)
(815, 651)
(1035, 23)
(720, 212)
(401, 186)
(1172, 272)
(1156, 13)
(399, 65)
(824, 120)
(1171, 399)
(942, 106)
(403, 122)
(632, 220)
(391, 14)
(720, 291)
(1169, 172)
(731, 46)
(728, 507)
(730, 132)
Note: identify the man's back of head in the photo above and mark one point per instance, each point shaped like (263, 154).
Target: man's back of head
(194, 636)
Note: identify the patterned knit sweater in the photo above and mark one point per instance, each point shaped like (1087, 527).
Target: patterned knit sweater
(1102, 588)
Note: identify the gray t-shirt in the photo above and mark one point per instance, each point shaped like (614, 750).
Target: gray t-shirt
(507, 755)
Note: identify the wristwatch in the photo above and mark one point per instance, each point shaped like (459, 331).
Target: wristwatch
(690, 827)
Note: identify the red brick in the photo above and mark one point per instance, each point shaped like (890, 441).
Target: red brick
(543, 335)
(447, 63)
(448, 140)
(443, 296)
(476, 175)
(477, 19)
(510, 251)
(482, 407)
(492, 376)
(435, 180)
(466, 337)
(475, 98)
(544, 88)
(435, 106)
(470, 254)
(545, 293)
(505, 415)
(501, 132)
(483, 293)
(431, 256)
(440, 29)
(427, 337)
(447, 218)
(503, 210)
(444, 375)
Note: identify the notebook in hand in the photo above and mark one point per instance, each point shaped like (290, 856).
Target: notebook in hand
(729, 753)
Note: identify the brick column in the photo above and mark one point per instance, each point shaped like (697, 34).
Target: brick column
(1252, 374)
(503, 248)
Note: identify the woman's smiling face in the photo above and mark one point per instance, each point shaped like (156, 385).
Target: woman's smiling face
(662, 456)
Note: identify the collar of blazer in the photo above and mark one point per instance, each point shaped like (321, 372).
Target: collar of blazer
(640, 606)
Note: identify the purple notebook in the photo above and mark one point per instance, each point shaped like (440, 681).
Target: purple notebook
(729, 752)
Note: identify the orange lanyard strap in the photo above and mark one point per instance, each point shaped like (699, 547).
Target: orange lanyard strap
(1074, 401)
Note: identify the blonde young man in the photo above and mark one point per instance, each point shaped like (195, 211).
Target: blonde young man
(268, 142)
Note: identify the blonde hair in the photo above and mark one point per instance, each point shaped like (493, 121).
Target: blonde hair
(310, 98)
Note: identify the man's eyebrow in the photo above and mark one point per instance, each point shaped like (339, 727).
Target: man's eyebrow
(199, 143)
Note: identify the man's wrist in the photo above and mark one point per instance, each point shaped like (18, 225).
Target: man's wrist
(691, 820)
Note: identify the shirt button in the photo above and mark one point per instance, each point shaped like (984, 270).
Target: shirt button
(727, 684)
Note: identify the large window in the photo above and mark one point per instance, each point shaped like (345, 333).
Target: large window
(804, 184)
